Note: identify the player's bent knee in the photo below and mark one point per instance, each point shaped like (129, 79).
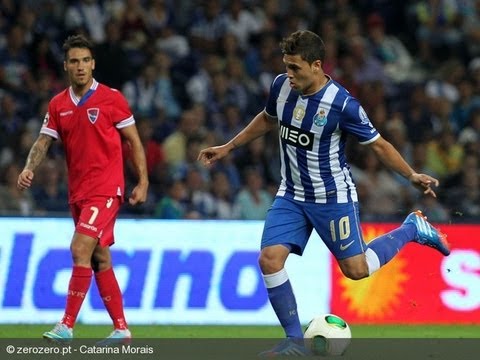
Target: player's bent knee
(269, 264)
(355, 274)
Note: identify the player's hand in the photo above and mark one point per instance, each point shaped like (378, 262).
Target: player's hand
(424, 183)
(25, 179)
(139, 194)
(210, 155)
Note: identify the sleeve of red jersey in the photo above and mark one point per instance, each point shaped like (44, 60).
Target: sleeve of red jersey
(122, 115)
(50, 123)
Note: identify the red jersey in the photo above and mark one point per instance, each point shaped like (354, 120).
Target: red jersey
(88, 128)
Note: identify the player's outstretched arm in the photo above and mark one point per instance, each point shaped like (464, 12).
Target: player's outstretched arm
(391, 158)
(35, 157)
(260, 125)
(139, 192)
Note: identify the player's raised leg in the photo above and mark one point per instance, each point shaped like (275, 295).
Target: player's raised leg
(415, 228)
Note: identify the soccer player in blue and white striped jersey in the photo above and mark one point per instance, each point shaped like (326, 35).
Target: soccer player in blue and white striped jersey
(314, 114)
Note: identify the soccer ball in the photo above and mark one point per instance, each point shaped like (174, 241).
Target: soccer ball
(328, 334)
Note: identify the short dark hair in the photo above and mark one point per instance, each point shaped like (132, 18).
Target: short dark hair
(76, 41)
(305, 43)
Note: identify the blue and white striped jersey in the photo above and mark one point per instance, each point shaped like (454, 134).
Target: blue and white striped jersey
(312, 133)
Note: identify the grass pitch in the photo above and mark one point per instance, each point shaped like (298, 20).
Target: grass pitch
(252, 332)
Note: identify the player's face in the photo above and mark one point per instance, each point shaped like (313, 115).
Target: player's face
(302, 75)
(79, 65)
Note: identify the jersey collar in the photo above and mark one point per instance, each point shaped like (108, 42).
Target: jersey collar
(79, 101)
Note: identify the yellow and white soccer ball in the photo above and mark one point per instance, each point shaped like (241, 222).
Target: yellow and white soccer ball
(328, 334)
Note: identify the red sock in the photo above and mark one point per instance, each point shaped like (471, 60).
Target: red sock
(112, 297)
(77, 290)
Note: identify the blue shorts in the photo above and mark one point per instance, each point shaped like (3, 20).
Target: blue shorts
(291, 222)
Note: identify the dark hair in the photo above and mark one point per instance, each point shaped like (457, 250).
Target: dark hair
(76, 41)
(305, 43)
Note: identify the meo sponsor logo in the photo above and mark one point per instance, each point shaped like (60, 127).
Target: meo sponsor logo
(296, 137)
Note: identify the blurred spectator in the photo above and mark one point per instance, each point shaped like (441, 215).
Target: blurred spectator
(224, 93)
(223, 196)
(231, 122)
(175, 145)
(112, 73)
(368, 68)
(14, 201)
(470, 11)
(331, 62)
(159, 16)
(269, 14)
(173, 43)
(446, 81)
(243, 85)
(444, 155)
(134, 33)
(153, 150)
(463, 190)
(469, 137)
(306, 10)
(50, 191)
(144, 93)
(257, 58)
(44, 57)
(417, 117)
(438, 29)
(201, 200)
(11, 122)
(396, 59)
(467, 103)
(208, 26)
(256, 155)
(253, 201)
(474, 74)
(88, 15)
(228, 166)
(168, 105)
(382, 196)
(173, 204)
(199, 86)
(346, 75)
(14, 62)
(240, 22)
(192, 147)
(27, 19)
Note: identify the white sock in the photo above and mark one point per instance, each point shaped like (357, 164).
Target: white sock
(276, 279)
(373, 261)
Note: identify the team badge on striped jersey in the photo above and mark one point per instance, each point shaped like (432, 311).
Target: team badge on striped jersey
(320, 118)
(93, 114)
(298, 113)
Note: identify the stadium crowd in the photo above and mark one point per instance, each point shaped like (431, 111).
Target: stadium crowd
(195, 72)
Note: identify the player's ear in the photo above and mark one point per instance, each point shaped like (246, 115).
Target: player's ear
(317, 65)
(93, 64)
(65, 65)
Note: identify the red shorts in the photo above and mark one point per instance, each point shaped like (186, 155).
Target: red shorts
(96, 217)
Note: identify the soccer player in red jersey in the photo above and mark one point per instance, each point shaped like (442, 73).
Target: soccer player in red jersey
(90, 119)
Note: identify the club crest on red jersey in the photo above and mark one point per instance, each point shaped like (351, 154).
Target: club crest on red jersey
(93, 114)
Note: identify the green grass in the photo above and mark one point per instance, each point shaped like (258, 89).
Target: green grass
(253, 332)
